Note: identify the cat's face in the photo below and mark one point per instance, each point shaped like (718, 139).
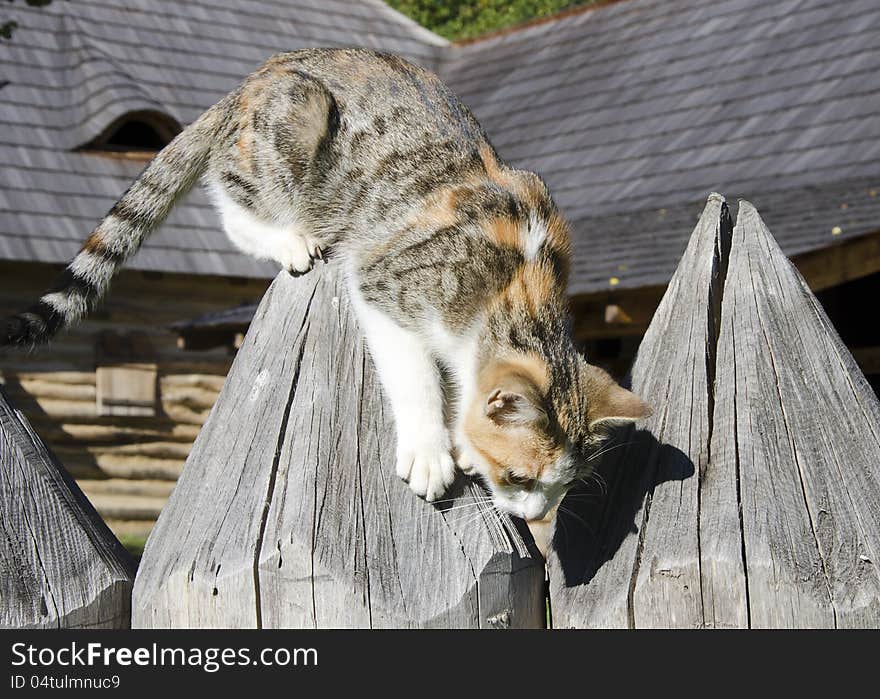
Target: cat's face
(530, 443)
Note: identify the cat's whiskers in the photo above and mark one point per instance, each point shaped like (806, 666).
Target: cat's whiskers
(456, 508)
(471, 518)
(564, 527)
(602, 485)
(565, 510)
(605, 450)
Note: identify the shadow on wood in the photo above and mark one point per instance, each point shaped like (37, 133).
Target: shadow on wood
(652, 471)
(288, 513)
(60, 566)
(598, 517)
(753, 389)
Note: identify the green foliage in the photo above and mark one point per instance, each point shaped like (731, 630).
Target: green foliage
(464, 19)
(134, 544)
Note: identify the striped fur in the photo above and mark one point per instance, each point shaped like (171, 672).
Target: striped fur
(120, 234)
(452, 258)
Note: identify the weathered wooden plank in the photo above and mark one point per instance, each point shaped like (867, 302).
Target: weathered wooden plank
(803, 427)
(305, 525)
(755, 388)
(850, 259)
(59, 564)
(640, 565)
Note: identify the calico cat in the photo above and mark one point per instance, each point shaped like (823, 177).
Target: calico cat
(452, 259)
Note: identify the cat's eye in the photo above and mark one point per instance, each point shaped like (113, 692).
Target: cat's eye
(519, 481)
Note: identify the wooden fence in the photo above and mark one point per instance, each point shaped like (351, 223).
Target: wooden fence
(749, 499)
(59, 564)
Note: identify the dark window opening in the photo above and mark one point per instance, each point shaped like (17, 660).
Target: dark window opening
(137, 133)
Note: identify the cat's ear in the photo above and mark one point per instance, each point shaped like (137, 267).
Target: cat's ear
(609, 404)
(511, 409)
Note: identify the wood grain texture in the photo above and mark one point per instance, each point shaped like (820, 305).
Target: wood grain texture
(304, 524)
(754, 391)
(806, 430)
(638, 561)
(59, 564)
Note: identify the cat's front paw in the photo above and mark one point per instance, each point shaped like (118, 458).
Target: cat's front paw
(428, 470)
(299, 254)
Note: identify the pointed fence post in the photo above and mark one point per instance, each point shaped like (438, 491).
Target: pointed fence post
(798, 427)
(650, 511)
(750, 496)
(288, 512)
(60, 566)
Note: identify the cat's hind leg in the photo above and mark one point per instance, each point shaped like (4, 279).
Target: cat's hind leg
(411, 381)
(293, 248)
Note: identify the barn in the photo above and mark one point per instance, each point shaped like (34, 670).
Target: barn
(632, 112)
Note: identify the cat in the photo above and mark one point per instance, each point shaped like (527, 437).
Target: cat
(453, 260)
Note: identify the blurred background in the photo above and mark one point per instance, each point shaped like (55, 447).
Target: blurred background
(633, 111)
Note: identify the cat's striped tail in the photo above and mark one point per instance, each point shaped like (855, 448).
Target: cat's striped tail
(146, 204)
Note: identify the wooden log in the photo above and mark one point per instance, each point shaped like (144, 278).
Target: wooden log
(65, 377)
(60, 566)
(127, 507)
(304, 524)
(638, 561)
(125, 486)
(81, 464)
(115, 431)
(201, 381)
(837, 264)
(127, 529)
(755, 392)
(797, 418)
(192, 397)
(52, 389)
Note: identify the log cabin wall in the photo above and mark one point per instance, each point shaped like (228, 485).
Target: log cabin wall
(126, 464)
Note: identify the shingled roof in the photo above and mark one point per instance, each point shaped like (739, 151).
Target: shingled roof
(635, 111)
(75, 67)
(632, 112)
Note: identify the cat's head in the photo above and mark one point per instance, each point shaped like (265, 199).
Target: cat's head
(534, 432)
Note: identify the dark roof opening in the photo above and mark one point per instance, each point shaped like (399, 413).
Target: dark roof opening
(137, 133)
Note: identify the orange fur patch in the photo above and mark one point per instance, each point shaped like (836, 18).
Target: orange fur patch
(558, 236)
(439, 212)
(529, 189)
(245, 147)
(496, 171)
(524, 369)
(533, 286)
(251, 98)
(504, 232)
(606, 399)
(522, 450)
(94, 244)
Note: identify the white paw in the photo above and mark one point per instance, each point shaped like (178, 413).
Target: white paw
(429, 471)
(299, 254)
